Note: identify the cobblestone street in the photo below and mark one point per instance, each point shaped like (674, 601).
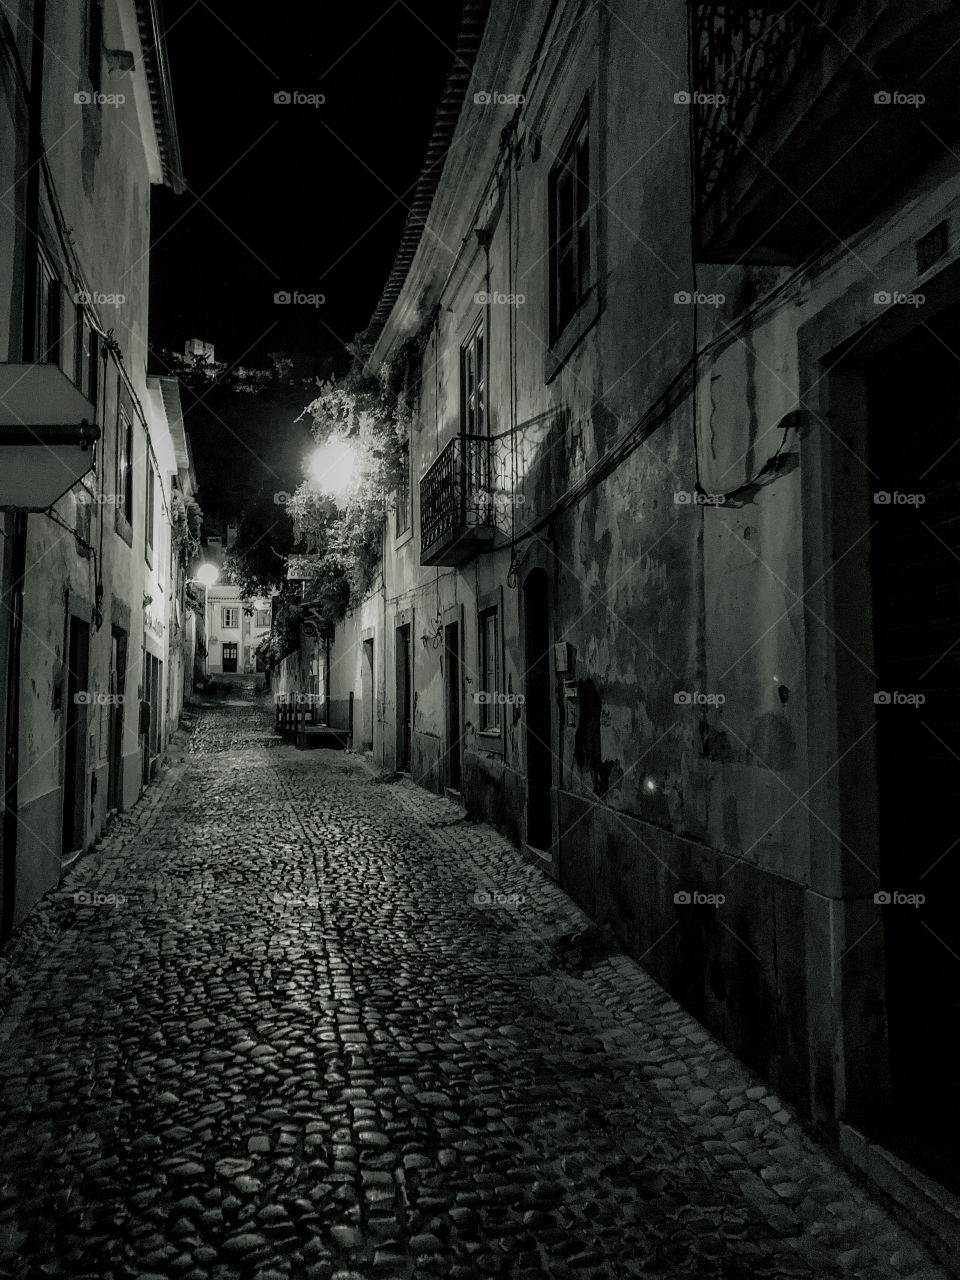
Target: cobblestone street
(283, 1038)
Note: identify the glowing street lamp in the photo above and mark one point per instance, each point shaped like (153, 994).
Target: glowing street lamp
(208, 575)
(334, 466)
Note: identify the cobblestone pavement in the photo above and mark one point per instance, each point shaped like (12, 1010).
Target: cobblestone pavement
(287, 1041)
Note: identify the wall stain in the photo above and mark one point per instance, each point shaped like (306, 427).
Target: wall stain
(586, 744)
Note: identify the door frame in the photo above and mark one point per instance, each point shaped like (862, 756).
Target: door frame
(73, 825)
(368, 686)
(548, 857)
(234, 658)
(403, 638)
(452, 620)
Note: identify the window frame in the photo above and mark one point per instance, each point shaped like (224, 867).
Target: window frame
(124, 467)
(149, 515)
(474, 421)
(229, 610)
(572, 170)
(48, 311)
(404, 492)
(491, 732)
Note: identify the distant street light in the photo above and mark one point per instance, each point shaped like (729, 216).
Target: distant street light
(208, 575)
(334, 466)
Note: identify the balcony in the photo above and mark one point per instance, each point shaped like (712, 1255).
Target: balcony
(461, 506)
(806, 117)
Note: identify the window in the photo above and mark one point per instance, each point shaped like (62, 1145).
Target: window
(489, 671)
(124, 494)
(86, 374)
(262, 618)
(149, 515)
(570, 228)
(230, 615)
(473, 408)
(93, 43)
(403, 490)
(47, 328)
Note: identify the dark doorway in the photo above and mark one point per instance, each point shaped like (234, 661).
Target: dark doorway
(404, 698)
(367, 696)
(118, 684)
(75, 736)
(537, 711)
(914, 423)
(452, 687)
(229, 657)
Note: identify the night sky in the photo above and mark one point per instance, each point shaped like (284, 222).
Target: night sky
(291, 197)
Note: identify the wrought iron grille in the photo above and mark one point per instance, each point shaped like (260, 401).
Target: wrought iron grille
(467, 487)
(744, 57)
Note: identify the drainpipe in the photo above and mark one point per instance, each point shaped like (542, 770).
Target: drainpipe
(16, 524)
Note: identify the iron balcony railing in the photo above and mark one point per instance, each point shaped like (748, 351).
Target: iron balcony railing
(463, 489)
(744, 58)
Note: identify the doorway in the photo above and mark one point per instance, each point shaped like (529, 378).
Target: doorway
(367, 696)
(452, 688)
(229, 657)
(404, 698)
(537, 711)
(913, 399)
(74, 738)
(118, 682)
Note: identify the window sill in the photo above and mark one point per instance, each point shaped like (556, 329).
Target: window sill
(123, 528)
(576, 329)
(402, 539)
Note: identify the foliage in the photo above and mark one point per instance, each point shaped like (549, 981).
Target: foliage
(256, 564)
(186, 522)
(375, 414)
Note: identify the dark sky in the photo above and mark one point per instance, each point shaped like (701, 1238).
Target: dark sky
(291, 197)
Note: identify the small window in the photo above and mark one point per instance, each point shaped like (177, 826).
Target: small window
(473, 408)
(230, 617)
(124, 494)
(403, 490)
(571, 231)
(262, 618)
(489, 699)
(48, 327)
(86, 374)
(149, 515)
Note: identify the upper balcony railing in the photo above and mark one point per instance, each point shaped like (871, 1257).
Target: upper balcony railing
(807, 113)
(458, 498)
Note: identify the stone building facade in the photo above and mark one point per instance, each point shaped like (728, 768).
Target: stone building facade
(93, 619)
(661, 599)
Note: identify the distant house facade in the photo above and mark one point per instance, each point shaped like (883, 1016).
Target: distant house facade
(235, 628)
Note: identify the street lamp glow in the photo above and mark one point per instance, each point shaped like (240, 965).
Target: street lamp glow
(208, 575)
(333, 467)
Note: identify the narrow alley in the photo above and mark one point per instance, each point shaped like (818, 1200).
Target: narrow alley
(291, 1018)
